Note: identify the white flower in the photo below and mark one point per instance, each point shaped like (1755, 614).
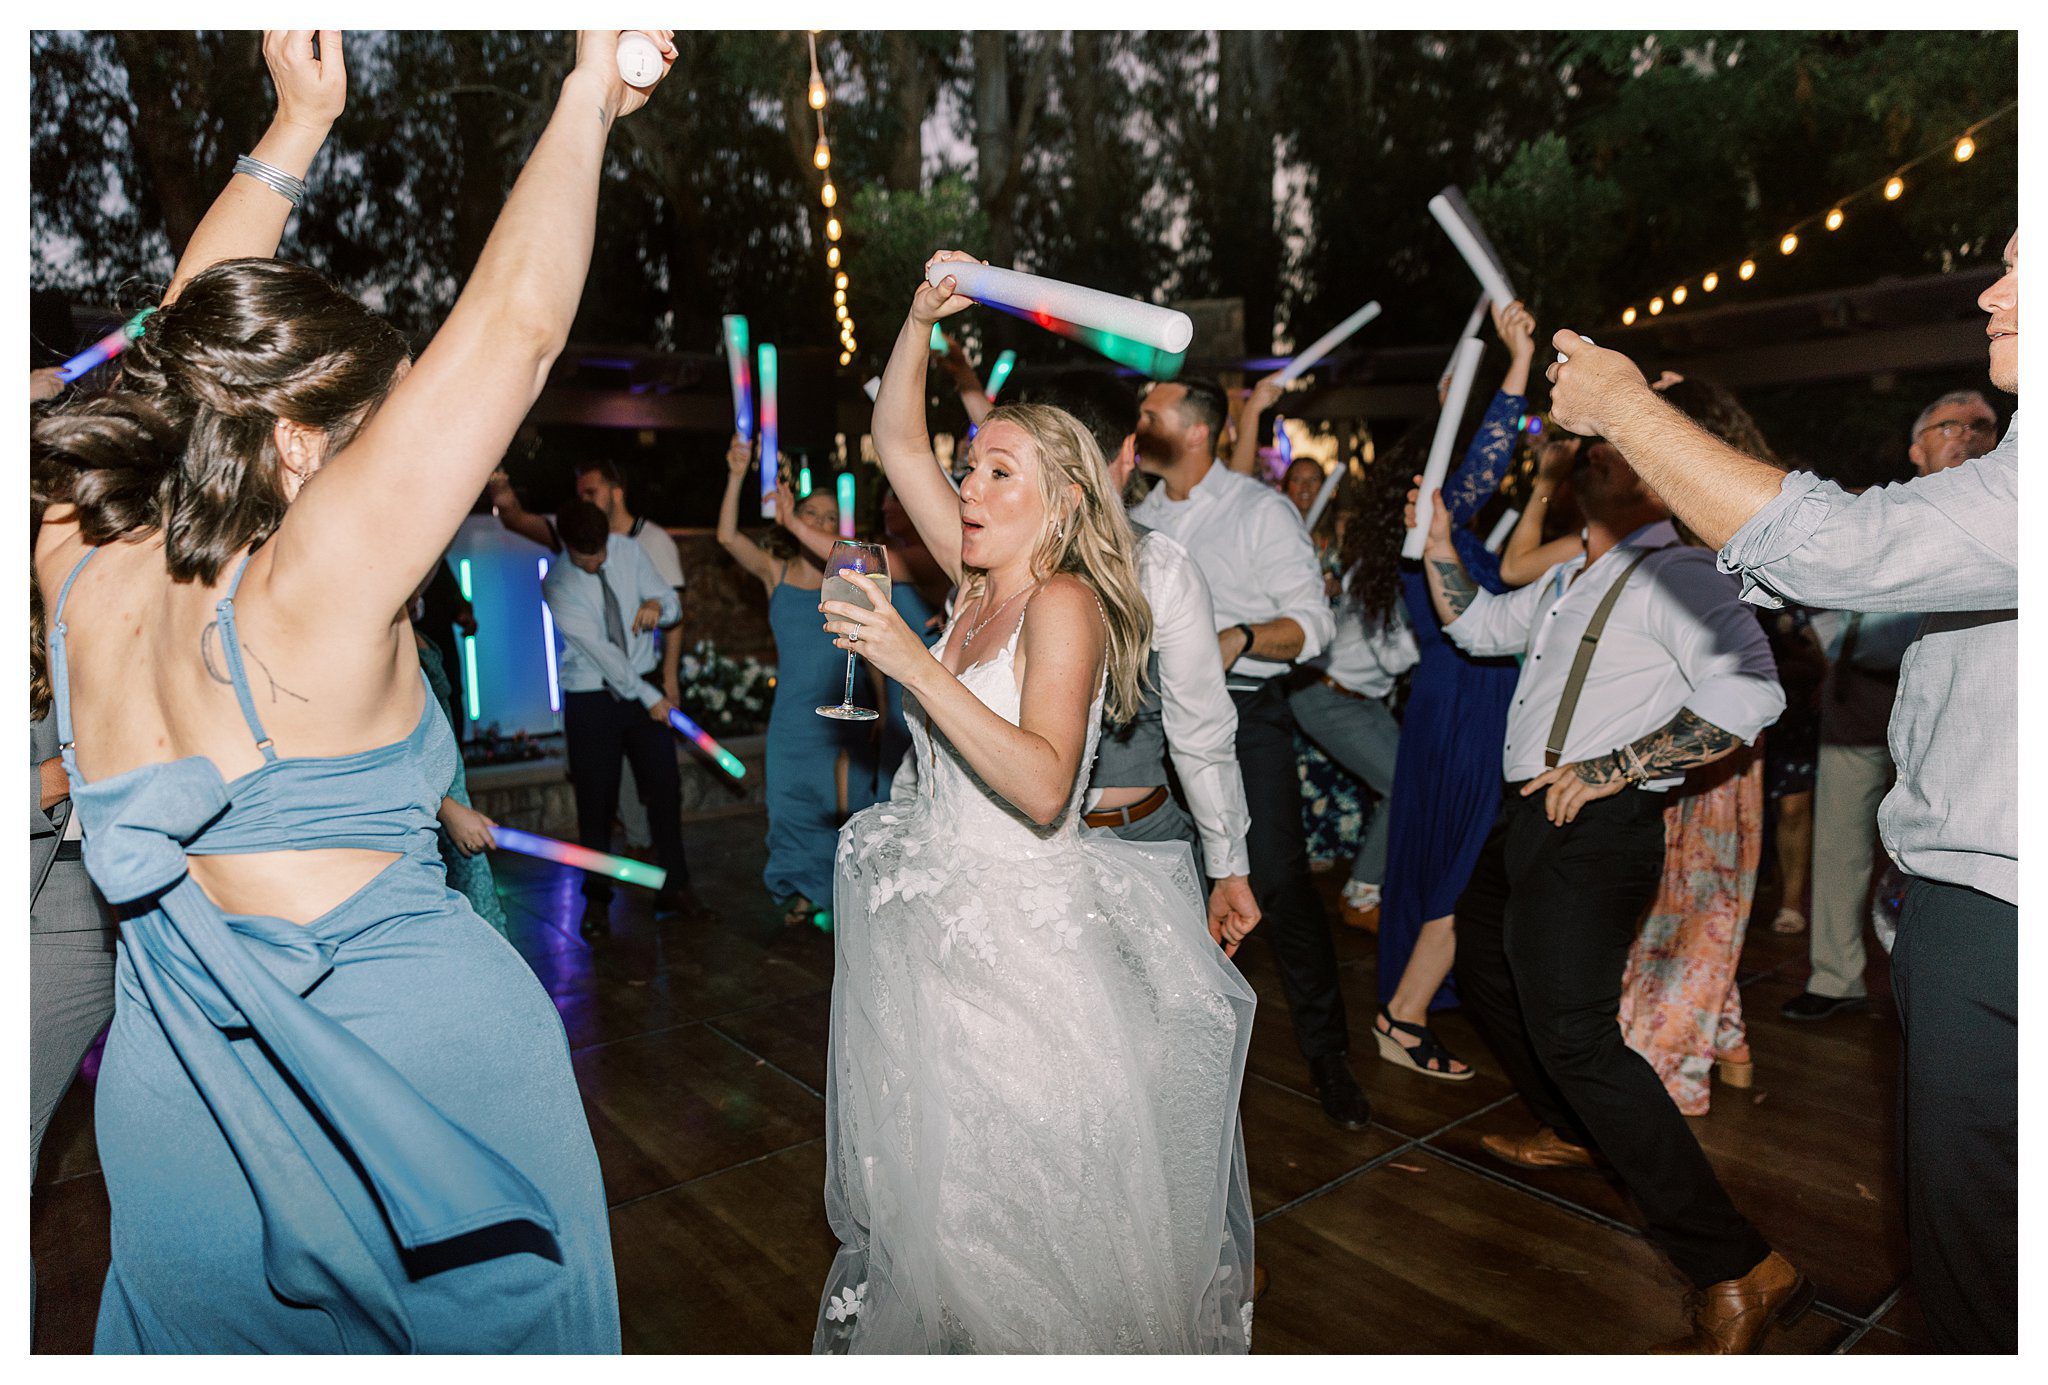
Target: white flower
(1066, 933)
(844, 1307)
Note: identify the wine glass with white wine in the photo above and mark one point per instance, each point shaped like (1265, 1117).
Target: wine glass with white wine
(868, 559)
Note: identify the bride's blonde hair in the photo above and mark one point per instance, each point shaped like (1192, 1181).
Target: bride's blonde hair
(1091, 538)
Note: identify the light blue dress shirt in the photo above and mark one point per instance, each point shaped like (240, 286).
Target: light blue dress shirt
(590, 662)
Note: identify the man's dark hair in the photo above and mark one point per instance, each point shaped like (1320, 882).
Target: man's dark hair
(583, 527)
(1205, 402)
(1102, 403)
(605, 467)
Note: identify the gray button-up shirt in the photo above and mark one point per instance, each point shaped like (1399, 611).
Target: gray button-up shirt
(1947, 544)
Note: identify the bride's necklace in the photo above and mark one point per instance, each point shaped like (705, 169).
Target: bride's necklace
(992, 615)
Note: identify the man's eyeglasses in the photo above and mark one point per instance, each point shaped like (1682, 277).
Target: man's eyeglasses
(1951, 429)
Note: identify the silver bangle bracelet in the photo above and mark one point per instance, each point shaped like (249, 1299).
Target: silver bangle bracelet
(276, 179)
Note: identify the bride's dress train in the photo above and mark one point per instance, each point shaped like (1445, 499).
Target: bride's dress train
(1032, 1133)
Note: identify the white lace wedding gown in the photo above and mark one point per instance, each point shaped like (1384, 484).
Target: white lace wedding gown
(1032, 1139)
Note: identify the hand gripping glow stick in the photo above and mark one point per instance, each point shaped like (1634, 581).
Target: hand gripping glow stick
(1451, 213)
(698, 736)
(845, 484)
(1046, 301)
(771, 460)
(639, 60)
(1327, 342)
(1462, 370)
(998, 373)
(620, 868)
(739, 364)
(105, 349)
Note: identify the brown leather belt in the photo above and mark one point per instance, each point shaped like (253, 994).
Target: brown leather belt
(1333, 685)
(1124, 817)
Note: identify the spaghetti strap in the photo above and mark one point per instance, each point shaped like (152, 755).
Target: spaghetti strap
(60, 675)
(224, 612)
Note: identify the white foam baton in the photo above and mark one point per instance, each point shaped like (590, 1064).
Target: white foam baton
(1028, 295)
(1326, 343)
(1463, 369)
(1451, 213)
(1315, 511)
(1501, 530)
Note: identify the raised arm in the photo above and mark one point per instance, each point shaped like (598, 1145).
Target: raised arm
(247, 220)
(367, 525)
(1526, 556)
(902, 440)
(515, 516)
(1244, 451)
(748, 554)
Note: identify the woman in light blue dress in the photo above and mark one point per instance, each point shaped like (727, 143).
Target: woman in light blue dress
(336, 1110)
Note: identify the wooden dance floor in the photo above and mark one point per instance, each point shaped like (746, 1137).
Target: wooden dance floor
(701, 1053)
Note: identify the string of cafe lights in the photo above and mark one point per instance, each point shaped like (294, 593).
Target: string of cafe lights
(1890, 188)
(828, 194)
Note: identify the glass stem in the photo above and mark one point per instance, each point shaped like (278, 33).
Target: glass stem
(847, 701)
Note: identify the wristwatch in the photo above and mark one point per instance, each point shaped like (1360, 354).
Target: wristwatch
(1241, 625)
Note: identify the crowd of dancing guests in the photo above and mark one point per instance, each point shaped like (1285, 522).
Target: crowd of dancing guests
(336, 1110)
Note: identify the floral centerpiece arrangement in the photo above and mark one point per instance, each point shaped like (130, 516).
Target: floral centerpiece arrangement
(727, 697)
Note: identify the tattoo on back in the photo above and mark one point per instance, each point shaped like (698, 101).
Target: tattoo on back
(1684, 742)
(1459, 588)
(216, 665)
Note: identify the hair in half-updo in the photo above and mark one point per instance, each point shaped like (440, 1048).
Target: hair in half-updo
(1090, 539)
(185, 441)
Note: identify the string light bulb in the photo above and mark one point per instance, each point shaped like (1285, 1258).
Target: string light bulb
(1678, 295)
(846, 358)
(828, 194)
(1710, 283)
(1965, 147)
(1656, 306)
(839, 282)
(831, 228)
(838, 296)
(1834, 221)
(1893, 188)
(821, 155)
(839, 311)
(1747, 271)
(1628, 317)
(1788, 244)
(831, 257)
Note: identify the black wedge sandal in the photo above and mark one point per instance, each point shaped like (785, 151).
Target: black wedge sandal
(1428, 1057)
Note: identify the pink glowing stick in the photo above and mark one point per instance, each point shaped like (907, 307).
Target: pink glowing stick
(701, 738)
(620, 868)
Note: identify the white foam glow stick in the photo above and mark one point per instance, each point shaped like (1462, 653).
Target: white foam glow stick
(1501, 530)
(1463, 368)
(1327, 342)
(1162, 329)
(1451, 213)
(1315, 511)
(1471, 330)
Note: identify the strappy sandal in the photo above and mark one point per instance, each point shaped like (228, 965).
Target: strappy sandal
(1428, 1057)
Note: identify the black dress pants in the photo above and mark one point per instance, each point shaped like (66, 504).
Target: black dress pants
(601, 730)
(1544, 929)
(1955, 975)
(1291, 917)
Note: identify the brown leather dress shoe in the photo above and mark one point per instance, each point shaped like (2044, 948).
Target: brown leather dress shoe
(1731, 1318)
(1542, 1150)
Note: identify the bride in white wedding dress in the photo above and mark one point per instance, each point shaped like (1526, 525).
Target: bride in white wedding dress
(1037, 1047)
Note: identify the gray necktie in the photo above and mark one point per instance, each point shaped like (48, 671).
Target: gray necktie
(614, 624)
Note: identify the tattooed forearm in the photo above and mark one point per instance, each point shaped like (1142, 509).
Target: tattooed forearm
(209, 644)
(1455, 586)
(1685, 742)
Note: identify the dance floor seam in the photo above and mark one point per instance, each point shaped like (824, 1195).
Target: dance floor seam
(700, 1047)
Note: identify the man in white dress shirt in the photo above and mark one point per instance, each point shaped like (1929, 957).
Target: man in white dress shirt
(1270, 609)
(1603, 723)
(1187, 715)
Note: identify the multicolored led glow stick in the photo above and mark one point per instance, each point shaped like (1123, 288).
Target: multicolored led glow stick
(623, 869)
(1463, 368)
(998, 373)
(938, 338)
(105, 349)
(547, 640)
(1045, 300)
(470, 692)
(1327, 342)
(1500, 533)
(803, 483)
(1451, 213)
(1147, 360)
(701, 738)
(1281, 442)
(739, 364)
(770, 421)
(845, 486)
